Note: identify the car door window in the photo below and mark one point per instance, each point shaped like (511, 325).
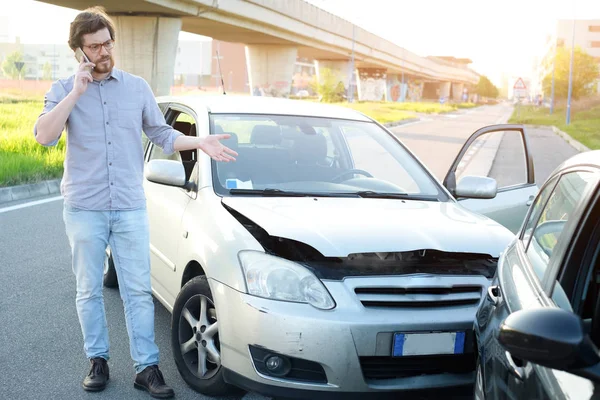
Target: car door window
(499, 155)
(554, 216)
(185, 124)
(538, 206)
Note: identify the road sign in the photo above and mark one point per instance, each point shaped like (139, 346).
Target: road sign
(519, 85)
(19, 65)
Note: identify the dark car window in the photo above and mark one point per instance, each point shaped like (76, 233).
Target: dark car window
(561, 203)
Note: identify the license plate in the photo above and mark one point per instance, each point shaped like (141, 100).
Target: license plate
(421, 344)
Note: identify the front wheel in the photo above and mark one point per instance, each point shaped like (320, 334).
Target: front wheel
(195, 339)
(479, 393)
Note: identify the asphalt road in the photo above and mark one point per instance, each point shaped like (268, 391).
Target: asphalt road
(41, 352)
(436, 141)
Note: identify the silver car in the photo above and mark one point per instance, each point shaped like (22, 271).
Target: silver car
(327, 259)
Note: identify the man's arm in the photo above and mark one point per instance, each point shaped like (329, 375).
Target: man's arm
(50, 125)
(211, 145)
(170, 140)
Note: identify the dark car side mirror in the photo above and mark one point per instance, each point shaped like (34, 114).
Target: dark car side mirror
(550, 337)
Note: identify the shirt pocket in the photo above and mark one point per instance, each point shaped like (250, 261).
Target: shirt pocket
(129, 115)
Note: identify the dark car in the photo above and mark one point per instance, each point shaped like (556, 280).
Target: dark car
(538, 329)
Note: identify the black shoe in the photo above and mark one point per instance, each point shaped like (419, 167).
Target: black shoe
(152, 380)
(98, 375)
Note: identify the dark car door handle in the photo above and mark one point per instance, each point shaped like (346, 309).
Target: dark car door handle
(513, 368)
(494, 294)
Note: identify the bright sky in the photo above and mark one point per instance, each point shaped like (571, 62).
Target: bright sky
(498, 35)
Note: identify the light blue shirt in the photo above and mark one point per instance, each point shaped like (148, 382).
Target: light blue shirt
(104, 164)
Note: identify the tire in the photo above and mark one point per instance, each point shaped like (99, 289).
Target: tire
(110, 273)
(200, 337)
(479, 390)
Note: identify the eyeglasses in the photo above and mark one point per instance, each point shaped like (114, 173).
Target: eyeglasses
(95, 48)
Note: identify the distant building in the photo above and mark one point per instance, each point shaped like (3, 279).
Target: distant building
(587, 37)
(232, 57)
(59, 57)
(192, 63)
(4, 29)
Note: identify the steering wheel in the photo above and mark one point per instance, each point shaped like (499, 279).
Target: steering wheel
(337, 178)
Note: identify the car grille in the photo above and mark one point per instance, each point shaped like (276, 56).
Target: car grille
(402, 367)
(415, 297)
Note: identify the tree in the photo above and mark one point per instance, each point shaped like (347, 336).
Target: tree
(585, 73)
(329, 87)
(47, 72)
(8, 66)
(486, 88)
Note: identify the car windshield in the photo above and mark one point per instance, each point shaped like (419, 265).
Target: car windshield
(296, 155)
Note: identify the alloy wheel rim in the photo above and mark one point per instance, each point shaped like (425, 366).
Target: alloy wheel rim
(199, 337)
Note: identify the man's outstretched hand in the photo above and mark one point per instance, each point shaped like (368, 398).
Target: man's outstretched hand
(213, 147)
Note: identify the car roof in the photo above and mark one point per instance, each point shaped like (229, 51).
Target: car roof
(237, 104)
(588, 158)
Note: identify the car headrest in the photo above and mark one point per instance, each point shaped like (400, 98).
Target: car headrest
(266, 134)
(183, 127)
(218, 129)
(310, 149)
(232, 142)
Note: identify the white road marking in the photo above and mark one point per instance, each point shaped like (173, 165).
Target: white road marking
(30, 204)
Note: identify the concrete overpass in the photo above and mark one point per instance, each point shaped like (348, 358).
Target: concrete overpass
(275, 33)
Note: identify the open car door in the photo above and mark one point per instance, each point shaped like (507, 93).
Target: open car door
(493, 174)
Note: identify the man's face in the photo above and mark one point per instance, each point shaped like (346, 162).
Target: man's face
(96, 53)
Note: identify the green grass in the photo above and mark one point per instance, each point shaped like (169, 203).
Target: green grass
(584, 126)
(22, 159)
(390, 112)
(382, 112)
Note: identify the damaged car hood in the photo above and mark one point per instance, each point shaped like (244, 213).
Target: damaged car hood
(337, 227)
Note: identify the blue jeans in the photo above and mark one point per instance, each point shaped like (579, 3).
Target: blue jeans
(89, 233)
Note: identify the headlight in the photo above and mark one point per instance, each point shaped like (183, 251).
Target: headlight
(279, 279)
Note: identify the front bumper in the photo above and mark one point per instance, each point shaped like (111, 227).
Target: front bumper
(345, 341)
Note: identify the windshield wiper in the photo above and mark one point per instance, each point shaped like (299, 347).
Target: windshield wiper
(283, 193)
(404, 196)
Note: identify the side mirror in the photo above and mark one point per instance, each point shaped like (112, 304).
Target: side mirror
(166, 172)
(476, 187)
(550, 337)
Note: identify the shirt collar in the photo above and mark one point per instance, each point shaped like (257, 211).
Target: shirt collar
(115, 73)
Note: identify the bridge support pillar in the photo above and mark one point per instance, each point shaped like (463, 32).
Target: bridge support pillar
(445, 90)
(270, 69)
(371, 85)
(146, 46)
(457, 91)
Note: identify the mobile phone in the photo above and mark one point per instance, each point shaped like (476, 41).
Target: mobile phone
(80, 55)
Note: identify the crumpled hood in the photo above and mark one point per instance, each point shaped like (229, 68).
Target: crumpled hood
(337, 227)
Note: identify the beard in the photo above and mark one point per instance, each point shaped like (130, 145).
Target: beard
(104, 64)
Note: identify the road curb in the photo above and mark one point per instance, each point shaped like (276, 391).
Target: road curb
(401, 122)
(567, 138)
(24, 192)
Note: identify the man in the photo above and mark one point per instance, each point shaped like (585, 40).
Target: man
(104, 112)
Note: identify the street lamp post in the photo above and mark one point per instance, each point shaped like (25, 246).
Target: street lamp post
(571, 75)
(403, 90)
(350, 94)
(553, 73)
